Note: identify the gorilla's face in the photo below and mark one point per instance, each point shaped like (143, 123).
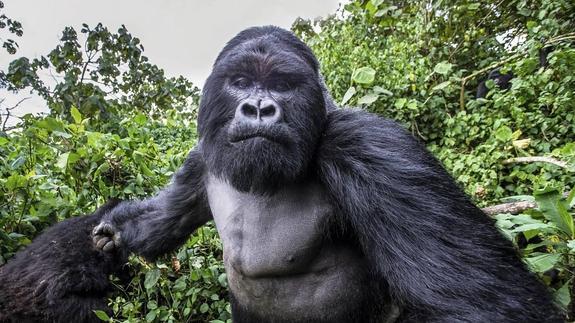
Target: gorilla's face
(262, 110)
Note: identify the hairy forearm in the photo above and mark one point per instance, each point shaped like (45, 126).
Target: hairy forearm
(153, 227)
(159, 224)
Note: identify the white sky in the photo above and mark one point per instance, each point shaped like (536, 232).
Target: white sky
(181, 36)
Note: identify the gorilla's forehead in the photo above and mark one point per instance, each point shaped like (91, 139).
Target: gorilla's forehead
(261, 56)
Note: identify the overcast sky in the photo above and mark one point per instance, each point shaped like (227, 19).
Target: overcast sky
(181, 36)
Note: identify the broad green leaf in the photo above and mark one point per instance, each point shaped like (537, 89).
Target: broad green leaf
(363, 75)
(151, 316)
(380, 90)
(140, 119)
(443, 68)
(50, 124)
(62, 162)
(532, 226)
(562, 296)
(504, 133)
(102, 315)
(571, 198)
(412, 105)
(400, 103)
(441, 86)
(554, 210)
(543, 262)
(151, 279)
(62, 134)
(368, 98)
(76, 115)
(348, 95)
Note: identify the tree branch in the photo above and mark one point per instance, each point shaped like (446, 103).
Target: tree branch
(9, 112)
(536, 159)
(511, 207)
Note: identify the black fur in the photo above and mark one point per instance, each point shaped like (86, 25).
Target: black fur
(439, 258)
(442, 257)
(60, 277)
(503, 81)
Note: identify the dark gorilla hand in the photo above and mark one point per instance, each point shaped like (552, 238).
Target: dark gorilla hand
(106, 237)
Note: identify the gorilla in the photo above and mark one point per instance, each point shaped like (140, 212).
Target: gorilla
(503, 81)
(60, 277)
(326, 214)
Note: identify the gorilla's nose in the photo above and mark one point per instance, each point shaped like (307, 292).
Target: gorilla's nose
(258, 112)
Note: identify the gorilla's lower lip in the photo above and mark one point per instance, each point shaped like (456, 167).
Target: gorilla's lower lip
(239, 138)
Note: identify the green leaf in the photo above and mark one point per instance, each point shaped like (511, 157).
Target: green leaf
(543, 262)
(363, 75)
(102, 315)
(140, 119)
(368, 98)
(443, 68)
(76, 115)
(151, 316)
(400, 103)
(504, 133)
(379, 90)
(3, 141)
(348, 94)
(441, 86)
(531, 226)
(555, 210)
(204, 308)
(562, 296)
(62, 162)
(571, 198)
(151, 279)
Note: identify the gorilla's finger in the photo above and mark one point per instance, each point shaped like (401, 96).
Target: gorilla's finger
(108, 246)
(102, 242)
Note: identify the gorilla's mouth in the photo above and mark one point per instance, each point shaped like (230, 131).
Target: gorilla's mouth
(244, 137)
(278, 134)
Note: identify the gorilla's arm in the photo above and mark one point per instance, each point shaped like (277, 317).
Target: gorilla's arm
(438, 252)
(162, 223)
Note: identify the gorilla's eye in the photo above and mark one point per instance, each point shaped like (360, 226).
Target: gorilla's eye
(279, 86)
(241, 82)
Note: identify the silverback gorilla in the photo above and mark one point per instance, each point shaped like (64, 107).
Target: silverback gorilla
(60, 277)
(326, 214)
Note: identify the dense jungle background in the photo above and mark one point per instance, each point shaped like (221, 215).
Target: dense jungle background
(119, 127)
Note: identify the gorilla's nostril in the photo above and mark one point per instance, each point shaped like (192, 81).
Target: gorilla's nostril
(249, 111)
(268, 111)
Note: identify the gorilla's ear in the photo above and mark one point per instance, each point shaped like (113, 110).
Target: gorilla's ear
(327, 99)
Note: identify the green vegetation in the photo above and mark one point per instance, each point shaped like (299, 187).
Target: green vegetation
(118, 127)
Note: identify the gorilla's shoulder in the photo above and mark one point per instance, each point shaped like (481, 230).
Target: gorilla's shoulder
(353, 131)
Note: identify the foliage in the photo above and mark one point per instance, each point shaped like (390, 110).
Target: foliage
(14, 27)
(109, 77)
(118, 127)
(546, 237)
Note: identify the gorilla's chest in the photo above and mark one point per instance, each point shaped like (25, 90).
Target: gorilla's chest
(269, 235)
(278, 261)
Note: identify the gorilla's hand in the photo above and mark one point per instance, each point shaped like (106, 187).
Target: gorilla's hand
(106, 236)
